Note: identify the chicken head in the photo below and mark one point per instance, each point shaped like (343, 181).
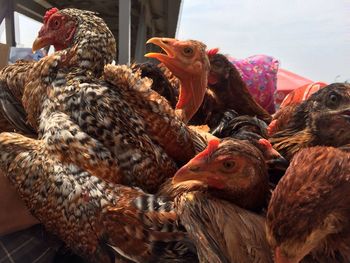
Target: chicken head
(70, 28)
(322, 119)
(58, 30)
(231, 169)
(188, 61)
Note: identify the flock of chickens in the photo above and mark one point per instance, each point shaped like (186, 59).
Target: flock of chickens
(174, 162)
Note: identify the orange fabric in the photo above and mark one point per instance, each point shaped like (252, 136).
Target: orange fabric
(302, 93)
(287, 81)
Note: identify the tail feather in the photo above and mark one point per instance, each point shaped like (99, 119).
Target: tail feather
(147, 232)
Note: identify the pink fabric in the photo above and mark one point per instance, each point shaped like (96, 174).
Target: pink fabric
(259, 72)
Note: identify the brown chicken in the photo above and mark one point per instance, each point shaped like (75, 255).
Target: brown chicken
(310, 208)
(254, 130)
(102, 222)
(323, 119)
(212, 194)
(226, 90)
(117, 127)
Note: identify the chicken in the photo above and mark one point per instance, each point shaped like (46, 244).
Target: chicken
(310, 208)
(225, 86)
(188, 62)
(115, 127)
(211, 196)
(254, 130)
(230, 92)
(323, 119)
(283, 115)
(100, 221)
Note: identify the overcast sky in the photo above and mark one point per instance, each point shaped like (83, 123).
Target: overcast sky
(309, 37)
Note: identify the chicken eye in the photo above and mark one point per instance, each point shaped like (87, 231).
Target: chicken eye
(217, 64)
(333, 100)
(55, 23)
(188, 51)
(228, 165)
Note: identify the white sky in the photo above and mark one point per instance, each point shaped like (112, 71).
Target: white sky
(26, 30)
(309, 37)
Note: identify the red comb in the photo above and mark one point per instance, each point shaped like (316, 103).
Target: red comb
(266, 143)
(49, 13)
(212, 146)
(212, 52)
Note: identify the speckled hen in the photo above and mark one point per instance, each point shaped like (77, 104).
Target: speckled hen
(113, 125)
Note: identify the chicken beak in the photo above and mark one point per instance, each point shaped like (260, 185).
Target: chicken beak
(39, 43)
(169, 58)
(194, 171)
(190, 171)
(166, 45)
(279, 163)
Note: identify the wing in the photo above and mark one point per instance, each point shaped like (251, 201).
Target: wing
(224, 232)
(160, 120)
(13, 111)
(92, 217)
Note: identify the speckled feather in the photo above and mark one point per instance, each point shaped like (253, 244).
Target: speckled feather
(98, 220)
(112, 131)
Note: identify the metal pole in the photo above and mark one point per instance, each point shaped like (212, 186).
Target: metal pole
(124, 31)
(10, 25)
(141, 36)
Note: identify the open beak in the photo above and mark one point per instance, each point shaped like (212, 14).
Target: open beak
(166, 45)
(346, 114)
(169, 58)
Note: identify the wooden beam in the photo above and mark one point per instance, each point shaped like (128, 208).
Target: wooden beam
(3, 9)
(30, 9)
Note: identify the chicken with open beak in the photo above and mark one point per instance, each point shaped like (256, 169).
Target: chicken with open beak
(188, 61)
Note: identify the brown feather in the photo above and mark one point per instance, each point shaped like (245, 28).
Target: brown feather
(310, 207)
